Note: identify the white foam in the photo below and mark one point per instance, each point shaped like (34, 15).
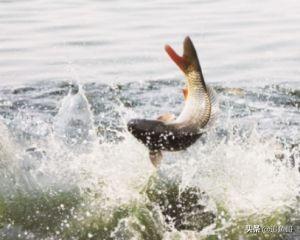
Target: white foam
(241, 175)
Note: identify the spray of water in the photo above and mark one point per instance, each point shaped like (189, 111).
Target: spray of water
(239, 173)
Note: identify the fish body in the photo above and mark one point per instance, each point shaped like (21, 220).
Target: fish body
(158, 135)
(169, 133)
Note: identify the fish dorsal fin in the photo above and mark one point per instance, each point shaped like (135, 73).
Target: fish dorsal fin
(155, 157)
(185, 92)
(167, 117)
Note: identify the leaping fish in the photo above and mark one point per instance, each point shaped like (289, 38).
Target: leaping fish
(168, 133)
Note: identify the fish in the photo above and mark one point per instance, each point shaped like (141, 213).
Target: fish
(171, 133)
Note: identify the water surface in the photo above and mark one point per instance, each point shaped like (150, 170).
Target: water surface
(72, 74)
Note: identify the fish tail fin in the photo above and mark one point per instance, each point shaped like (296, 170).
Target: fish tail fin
(189, 61)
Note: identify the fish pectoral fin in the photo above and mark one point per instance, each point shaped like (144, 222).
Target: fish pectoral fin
(155, 157)
(167, 117)
(185, 92)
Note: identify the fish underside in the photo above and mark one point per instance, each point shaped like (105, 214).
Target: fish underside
(168, 133)
(157, 135)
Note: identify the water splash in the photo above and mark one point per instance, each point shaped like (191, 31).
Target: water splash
(74, 123)
(243, 175)
(99, 187)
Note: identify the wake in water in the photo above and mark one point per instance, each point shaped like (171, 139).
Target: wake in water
(70, 170)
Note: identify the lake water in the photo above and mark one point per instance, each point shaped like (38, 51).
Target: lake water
(117, 41)
(72, 73)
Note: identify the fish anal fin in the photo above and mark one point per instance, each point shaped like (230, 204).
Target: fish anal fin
(155, 157)
(167, 117)
(185, 92)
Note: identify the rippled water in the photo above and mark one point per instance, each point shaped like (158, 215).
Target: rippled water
(74, 72)
(116, 41)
